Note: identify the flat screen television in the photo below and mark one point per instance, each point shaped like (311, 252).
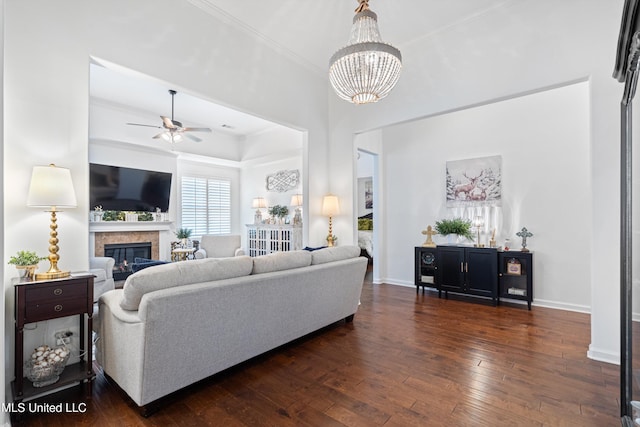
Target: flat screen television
(125, 189)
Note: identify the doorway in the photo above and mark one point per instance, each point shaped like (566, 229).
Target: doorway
(366, 202)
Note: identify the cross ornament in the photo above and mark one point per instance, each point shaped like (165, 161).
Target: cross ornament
(524, 233)
(429, 233)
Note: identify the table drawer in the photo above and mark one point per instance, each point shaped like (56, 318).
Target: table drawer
(51, 309)
(53, 292)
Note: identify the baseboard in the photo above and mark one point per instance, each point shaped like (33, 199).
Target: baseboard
(536, 302)
(562, 306)
(603, 355)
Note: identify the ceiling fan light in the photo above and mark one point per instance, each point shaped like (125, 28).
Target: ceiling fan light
(166, 136)
(177, 137)
(367, 69)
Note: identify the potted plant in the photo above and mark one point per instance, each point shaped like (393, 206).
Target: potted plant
(279, 211)
(183, 234)
(26, 263)
(458, 226)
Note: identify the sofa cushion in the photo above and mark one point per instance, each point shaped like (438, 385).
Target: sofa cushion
(334, 253)
(281, 261)
(181, 273)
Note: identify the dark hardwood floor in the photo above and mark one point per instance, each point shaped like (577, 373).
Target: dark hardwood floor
(406, 360)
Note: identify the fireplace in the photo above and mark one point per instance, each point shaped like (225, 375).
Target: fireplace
(124, 254)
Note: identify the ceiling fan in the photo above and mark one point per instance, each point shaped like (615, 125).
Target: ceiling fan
(173, 129)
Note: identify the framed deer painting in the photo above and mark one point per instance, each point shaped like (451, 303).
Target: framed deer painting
(474, 182)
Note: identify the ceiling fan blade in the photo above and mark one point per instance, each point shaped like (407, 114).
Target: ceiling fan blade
(168, 123)
(193, 138)
(196, 129)
(158, 136)
(149, 126)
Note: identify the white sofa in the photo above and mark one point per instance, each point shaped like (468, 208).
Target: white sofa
(219, 246)
(175, 324)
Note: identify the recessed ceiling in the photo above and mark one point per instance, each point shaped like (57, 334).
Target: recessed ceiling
(144, 94)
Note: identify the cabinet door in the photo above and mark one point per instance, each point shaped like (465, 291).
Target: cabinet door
(450, 271)
(481, 266)
(425, 266)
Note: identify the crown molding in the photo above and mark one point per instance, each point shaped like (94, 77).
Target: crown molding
(213, 10)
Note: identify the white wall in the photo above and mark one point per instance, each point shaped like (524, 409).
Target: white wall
(46, 98)
(517, 48)
(543, 139)
(4, 419)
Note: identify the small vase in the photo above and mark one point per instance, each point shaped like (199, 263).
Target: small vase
(26, 271)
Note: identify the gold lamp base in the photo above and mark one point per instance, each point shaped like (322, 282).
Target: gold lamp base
(52, 275)
(54, 272)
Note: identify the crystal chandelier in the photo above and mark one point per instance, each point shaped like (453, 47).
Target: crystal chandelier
(367, 69)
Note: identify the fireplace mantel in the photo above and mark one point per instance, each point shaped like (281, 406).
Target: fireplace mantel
(118, 226)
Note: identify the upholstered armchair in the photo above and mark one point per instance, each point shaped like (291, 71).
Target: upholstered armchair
(219, 246)
(102, 268)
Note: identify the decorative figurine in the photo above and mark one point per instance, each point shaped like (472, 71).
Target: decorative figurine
(429, 233)
(492, 242)
(524, 233)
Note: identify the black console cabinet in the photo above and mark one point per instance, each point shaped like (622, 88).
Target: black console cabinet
(467, 270)
(483, 272)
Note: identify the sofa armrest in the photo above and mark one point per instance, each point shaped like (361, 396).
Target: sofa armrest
(112, 299)
(239, 252)
(200, 254)
(104, 263)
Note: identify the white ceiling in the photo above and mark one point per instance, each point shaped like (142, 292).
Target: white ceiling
(314, 30)
(307, 31)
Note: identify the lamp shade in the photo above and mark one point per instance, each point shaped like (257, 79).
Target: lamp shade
(259, 203)
(296, 200)
(51, 186)
(330, 205)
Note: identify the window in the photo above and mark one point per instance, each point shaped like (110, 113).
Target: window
(206, 205)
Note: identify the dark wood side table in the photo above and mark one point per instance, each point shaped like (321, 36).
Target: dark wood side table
(41, 300)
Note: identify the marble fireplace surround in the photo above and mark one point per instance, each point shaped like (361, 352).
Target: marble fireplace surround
(157, 233)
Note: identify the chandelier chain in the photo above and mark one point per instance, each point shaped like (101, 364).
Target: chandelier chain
(364, 5)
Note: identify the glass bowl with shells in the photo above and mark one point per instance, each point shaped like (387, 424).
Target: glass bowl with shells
(46, 364)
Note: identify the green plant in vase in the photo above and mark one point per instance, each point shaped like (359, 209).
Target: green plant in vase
(26, 263)
(183, 234)
(458, 226)
(279, 212)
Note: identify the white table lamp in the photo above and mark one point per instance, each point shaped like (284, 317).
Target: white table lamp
(51, 187)
(296, 202)
(330, 208)
(258, 204)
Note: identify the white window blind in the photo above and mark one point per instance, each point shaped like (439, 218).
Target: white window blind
(206, 205)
